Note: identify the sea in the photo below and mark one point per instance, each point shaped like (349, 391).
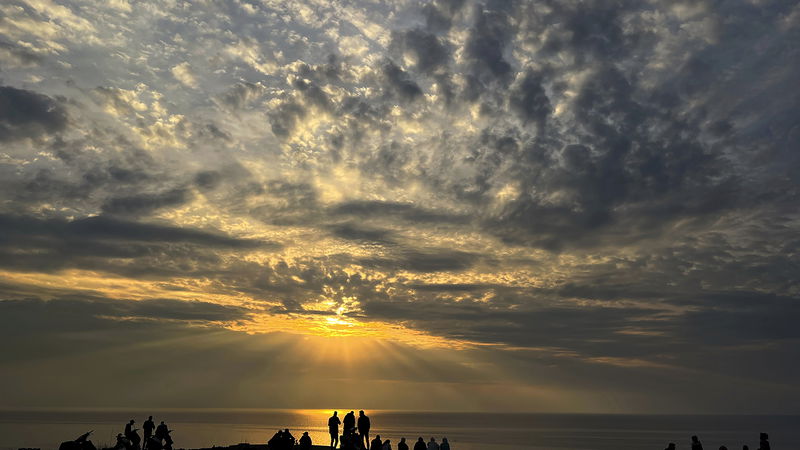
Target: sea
(195, 428)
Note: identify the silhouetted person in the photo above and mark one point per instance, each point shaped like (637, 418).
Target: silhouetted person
(696, 445)
(744, 447)
(722, 447)
(276, 443)
(162, 431)
(168, 440)
(763, 441)
(132, 435)
(288, 439)
(432, 445)
(148, 426)
(402, 444)
(152, 443)
(444, 445)
(305, 441)
(376, 443)
(122, 443)
(363, 427)
(333, 429)
(387, 445)
(671, 446)
(420, 445)
(349, 422)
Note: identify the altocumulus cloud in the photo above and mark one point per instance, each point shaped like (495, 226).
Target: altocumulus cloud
(608, 188)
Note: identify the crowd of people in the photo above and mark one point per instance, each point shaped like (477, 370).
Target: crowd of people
(354, 436)
(763, 444)
(155, 437)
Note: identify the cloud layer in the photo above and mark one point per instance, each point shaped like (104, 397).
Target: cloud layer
(602, 193)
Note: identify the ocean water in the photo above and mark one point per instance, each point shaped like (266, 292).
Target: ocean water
(465, 431)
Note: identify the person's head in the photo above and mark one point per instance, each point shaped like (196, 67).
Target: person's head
(764, 436)
(694, 438)
(335, 413)
(402, 439)
(150, 418)
(361, 412)
(132, 422)
(119, 435)
(305, 433)
(387, 442)
(744, 447)
(352, 412)
(420, 439)
(162, 422)
(433, 440)
(722, 447)
(671, 446)
(378, 437)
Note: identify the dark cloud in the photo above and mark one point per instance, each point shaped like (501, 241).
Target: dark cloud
(488, 38)
(108, 244)
(529, 100)
(28, 114)
(358, 233)
(400, 82)
(394, 210)
(146, 203)
(428, 50)
(284, 119)
(427, 260)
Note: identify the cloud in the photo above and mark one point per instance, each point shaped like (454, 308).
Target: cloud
(183, 73)
(28, 114)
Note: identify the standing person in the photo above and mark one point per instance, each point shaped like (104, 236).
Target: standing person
(420, 445)
(129, 428)
(445, 445)
(148, 426)
(763, 442)
(432, 445)
(670, 446)
(333, 429)
(696, 445)
(161, 431)
(305, 441)
(387, 445)
(132, 435)
(349, 423)
(402, 444)
(363, 428)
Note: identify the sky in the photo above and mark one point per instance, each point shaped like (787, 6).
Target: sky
(551, 205)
